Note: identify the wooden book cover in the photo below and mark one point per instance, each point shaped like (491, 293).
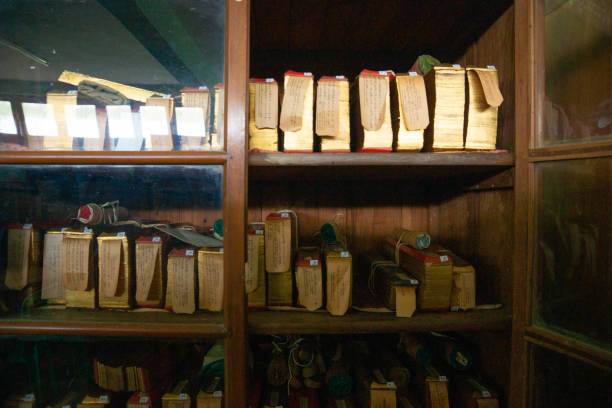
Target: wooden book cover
(52, 280)
(131, 92)
(332, 115)
(210, 279)
(217, 137)
(371, 108)
(280, 288)
(59, 101)
(445, 85)
(114, 270)
(374, 390)
(181, 285)
(211, 393)
(432, 268)
(23, 256)
(392, 285)
(471, 393)
(255, 274)
(263, 115)
(338, 280)
(78, 268)
(309, 278)
(296, 116)
(434, 386)
(483, 100)
(150, 271)
(178, 396)
(409, 111)
(463, 293)
(155, 120)
(196, 98)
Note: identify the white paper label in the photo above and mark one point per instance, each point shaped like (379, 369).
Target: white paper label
(491, 66)
(81, 121)
(220, 250)
(339, 76)
(486, 394)
(189, 252)
(87, 230)
(103, 398)
(412, 73)
(72, 92)
(202, 88)
(344, 254)
(156, 239)
(382, 73)
(390, 384)
(456, 66)
(442, 378)
(7, 120)
(144, 400)
(153, 120)
(444, 258)
(27, 226)
(66, 406)
(120, 124)
(39, 119)
(314, 262)
(190, 121)
(307, 73)
(454, 308)
(28, 397)
(284, 215)
(64, 229)
(414, 282)
(217, 394)
(183, 396)
(120, 234)
(259, 232)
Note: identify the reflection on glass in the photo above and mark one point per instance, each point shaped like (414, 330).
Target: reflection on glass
(65, 63)
(99, 237)
(58, 372)
(573, 257)
(578, 60)
(561, 382)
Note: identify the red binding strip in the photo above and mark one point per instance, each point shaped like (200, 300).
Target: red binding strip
(375, 150)
(262, 80)
(388, 73)
(424, 256)
(295, 73)
(219, 86)
(149, 239)
(332, 78)
(195, 90)
(278, 216)
(180, 252)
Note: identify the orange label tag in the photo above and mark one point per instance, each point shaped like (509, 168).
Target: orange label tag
(490, 86)
(293, 102)
(413, 101)
(266, 105)
(373, 91)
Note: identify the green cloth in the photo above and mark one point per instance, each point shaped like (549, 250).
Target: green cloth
(426, 63)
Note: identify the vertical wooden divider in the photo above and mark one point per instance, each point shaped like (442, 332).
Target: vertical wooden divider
(234, 200)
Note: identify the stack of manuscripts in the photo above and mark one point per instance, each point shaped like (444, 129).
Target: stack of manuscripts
(296, 117)
(332, 118)
(484, 98)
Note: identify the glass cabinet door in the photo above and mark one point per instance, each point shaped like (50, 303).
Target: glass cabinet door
(568, 326)
(112, 75)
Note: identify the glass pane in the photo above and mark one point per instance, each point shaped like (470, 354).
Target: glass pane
(112, 75)
(578, 55)
(573, 261)
(561, 382)
(72, 371)
(76, 241)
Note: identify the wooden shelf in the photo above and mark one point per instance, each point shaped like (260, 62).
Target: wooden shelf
(111, 157)
(263, 166)
(277, 322)
(114, 323)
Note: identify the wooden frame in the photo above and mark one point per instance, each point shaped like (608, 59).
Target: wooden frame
(530, 97)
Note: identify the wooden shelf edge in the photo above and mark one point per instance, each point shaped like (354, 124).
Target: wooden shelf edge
(277, 322)
(114, 324)
(111, 157)
(496, 158)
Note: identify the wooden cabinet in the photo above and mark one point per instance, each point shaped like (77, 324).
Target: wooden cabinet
(483, 205)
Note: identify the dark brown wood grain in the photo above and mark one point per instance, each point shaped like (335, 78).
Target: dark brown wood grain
(276, 322)
(114, 323)
(235, 201)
